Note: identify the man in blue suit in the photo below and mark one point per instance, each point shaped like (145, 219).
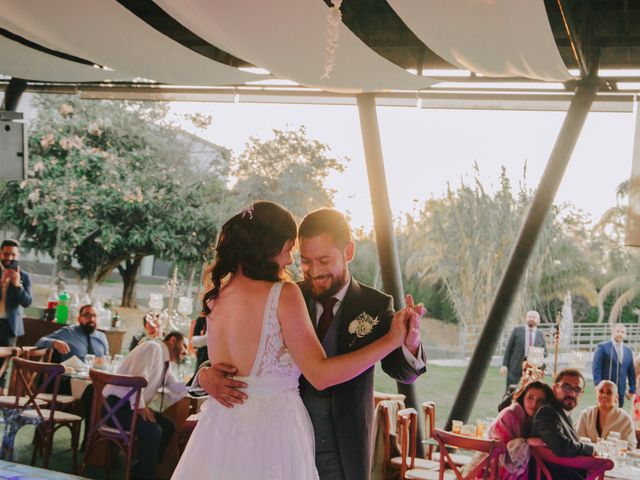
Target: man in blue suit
(15, 294)
(614, 361)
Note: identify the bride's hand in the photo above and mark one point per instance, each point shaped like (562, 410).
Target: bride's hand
(398, 330)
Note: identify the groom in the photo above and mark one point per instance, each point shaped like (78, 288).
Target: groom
(347, 316)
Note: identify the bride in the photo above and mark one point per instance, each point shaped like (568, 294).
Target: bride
(259, 323)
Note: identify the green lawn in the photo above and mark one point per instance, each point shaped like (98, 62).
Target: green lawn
(441, 384)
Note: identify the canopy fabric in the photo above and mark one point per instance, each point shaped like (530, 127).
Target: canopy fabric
(20, 61)
(108, 34)
(498, 38)
(288, 38)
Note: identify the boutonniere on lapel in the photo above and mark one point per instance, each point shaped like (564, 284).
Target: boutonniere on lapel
(362, 326)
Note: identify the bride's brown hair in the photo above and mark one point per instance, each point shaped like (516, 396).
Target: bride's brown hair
(250, 239)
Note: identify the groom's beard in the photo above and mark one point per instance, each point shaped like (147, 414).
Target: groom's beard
(320, 293)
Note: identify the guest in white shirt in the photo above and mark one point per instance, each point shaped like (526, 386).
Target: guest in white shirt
(151, 361)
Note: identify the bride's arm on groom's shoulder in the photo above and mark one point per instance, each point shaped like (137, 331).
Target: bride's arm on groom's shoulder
(217, 380)
(302, 342)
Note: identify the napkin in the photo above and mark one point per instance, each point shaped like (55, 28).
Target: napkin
(74, 363)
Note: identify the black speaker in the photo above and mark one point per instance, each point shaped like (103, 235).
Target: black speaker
(13, 146)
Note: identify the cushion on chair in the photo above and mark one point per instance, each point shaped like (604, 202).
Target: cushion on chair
(58, 416)
(10, 401)
(419, 474)
(460, 460)
(420, 463)
(61, 399)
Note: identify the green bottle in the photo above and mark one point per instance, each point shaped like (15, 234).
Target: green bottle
(62, 310)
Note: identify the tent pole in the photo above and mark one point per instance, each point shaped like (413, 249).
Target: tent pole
(12, 94)
(526, 240)
(383, 221)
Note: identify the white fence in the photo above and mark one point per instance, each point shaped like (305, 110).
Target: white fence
(585, 337)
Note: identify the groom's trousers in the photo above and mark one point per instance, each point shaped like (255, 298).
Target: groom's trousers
(153, 439)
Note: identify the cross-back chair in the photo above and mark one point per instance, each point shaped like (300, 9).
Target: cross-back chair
(407, 434)
(32, 379)
(104, 427)
(6, 354)
(594, 466)
(486, 467)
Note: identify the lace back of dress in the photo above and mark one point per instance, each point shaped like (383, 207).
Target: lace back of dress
(273, 359)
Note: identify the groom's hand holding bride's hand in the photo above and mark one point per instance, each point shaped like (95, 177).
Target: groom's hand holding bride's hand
(412, 340)
(219, 383)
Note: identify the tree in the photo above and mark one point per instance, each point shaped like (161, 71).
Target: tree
(106, 188)
(463, 241)
(289, 169)
(621, 264)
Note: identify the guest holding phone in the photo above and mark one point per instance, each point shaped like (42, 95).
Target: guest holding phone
(15, 295)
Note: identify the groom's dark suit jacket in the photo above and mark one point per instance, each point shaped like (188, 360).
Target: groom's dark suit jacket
(352, 401)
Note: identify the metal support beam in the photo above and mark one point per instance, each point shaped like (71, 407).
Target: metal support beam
(383, 220)
(534, 220)
(12, 94)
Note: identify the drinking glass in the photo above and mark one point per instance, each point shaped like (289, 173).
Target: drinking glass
(480, 427)
(115, 363)
(90, 360)
(106, 362)
(468, 430)
(456, 426)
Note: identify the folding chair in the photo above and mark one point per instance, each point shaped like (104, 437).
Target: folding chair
(105, 428)
(594, 466)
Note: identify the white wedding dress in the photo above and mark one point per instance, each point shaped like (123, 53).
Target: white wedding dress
(270, 435)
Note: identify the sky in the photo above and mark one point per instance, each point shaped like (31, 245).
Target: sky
(425, 149)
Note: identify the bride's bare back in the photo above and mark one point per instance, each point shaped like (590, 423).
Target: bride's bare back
(235, 322)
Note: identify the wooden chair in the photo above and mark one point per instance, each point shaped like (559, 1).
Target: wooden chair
(407, 433)
(379, 396)
(45, 355)
(27, 410)
(6, 354)
(486, 467)
(429, 413)
(105, 428)
(594, 466)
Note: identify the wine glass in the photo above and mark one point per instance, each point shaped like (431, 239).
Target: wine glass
(90, 360)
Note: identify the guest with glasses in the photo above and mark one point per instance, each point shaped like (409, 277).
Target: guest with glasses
(78, 340)
(597, 421)
(554, 426)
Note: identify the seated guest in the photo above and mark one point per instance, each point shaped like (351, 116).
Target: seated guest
(513, 426)
(151, 361)
(199, 339)
(554, 426)
(152, 330)
(78, 340)
(597, 421)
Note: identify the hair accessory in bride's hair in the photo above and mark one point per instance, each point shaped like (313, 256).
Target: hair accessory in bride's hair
(248, 210)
